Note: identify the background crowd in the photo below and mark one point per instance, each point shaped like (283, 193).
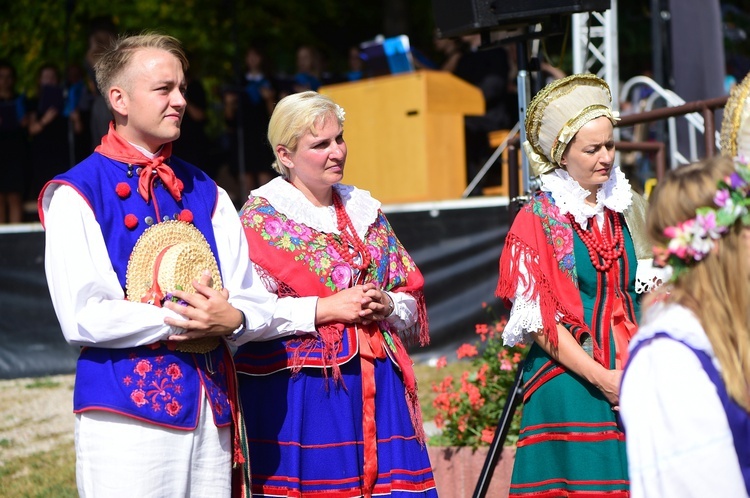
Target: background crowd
(60, 120)
(244, 58)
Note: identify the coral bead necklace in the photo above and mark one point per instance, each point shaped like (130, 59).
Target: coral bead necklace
(604, 250)
(347, 238)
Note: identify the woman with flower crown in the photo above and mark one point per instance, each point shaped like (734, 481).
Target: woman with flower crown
(686, 389)
(570, 272)
(331, 411)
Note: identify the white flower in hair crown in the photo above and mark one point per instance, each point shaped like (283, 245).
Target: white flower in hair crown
(340, 113)
(693, 239)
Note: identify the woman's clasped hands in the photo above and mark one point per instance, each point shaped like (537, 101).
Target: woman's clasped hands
(359, 304)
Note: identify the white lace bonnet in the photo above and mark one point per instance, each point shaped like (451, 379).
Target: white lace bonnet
(558, 111)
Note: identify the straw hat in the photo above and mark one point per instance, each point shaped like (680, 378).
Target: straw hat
(168, 256)
(558, 111)
(735, 126)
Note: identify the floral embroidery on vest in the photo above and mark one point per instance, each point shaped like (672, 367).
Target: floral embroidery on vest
(156, 386)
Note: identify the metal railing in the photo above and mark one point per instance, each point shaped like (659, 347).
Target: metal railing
(696, 116)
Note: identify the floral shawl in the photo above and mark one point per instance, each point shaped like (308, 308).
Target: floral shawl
(295, 260)
(545, 239)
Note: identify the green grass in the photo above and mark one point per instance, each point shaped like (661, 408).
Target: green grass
(43, 475)
(52, 474)
(42, 383)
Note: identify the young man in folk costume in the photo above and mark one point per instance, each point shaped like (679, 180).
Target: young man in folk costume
(131, 232)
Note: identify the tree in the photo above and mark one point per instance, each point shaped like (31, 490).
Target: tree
(215, 33)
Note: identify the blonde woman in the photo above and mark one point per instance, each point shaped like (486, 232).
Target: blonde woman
(332, 409)
(685, 397)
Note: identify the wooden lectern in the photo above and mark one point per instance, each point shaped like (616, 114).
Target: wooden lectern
(405, 134)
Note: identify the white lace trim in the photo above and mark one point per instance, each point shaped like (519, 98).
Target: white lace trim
(288, 200)
(648, 277)
(526, 314)
(570, 197)
(525, 318)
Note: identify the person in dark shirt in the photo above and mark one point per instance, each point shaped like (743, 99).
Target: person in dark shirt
(13, 144)
(48, 129)
(488, 70)
(194, 144)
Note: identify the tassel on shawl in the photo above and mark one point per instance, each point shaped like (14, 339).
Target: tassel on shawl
(410, 387)
(420, 331)
(331, 335)
(551, 307)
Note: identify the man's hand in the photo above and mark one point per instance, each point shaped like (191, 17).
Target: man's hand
(207, 312)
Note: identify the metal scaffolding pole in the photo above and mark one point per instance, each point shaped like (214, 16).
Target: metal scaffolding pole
(595, 48)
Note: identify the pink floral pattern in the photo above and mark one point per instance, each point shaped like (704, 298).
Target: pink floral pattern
(143, 367)
(173, 407)
(155, 386)
(138, 397)
(558, 230)
(310, 247)
(562, 241)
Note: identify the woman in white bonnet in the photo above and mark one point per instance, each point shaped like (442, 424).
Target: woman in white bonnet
(570, 273)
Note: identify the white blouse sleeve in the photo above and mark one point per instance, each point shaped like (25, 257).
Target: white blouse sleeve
(86, 293)
(525, 315)
(404, 310)
(678, 439)
(266, 315)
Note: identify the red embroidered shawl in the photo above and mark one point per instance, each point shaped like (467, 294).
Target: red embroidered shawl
(544, 238)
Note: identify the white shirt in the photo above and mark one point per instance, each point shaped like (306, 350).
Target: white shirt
(679, 443)
(89, 300)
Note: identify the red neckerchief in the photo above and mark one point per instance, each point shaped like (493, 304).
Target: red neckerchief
(115, 147)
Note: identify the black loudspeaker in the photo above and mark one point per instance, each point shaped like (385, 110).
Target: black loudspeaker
(464, 17)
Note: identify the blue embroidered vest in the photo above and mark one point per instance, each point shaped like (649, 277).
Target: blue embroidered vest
(153, 383)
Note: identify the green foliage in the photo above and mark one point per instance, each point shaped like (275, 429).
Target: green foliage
(214, 32)
(468, 409)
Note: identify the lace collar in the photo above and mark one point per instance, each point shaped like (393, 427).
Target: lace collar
(570, 197)
(288, 200)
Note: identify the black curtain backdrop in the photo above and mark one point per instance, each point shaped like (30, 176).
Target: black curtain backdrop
(698, 64)
(31, 343)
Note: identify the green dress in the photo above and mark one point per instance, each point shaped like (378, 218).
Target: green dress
(571, 441)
